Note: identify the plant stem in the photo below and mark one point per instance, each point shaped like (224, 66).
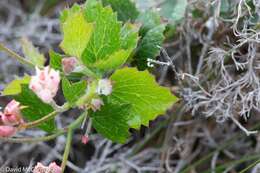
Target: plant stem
(38, 122)
(34, 140)
(251, 165)
(16, 56)
(67, 149)
(71, 128)
(51, 115)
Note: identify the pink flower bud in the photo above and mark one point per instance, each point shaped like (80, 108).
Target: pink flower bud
(69, 64)
(96, 104)
(52, 168)
(84, 139)
(7, 131)
(104, 87)
(45, 84)
(12, 114)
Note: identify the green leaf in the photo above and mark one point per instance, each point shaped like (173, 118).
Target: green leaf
(149, 46)
(149, 20)
(32, 53)
(35, 108)
(106, 38)
(110, 44)
(55, 60)
(114, 61)
(72, 91)
(147, 98)
(126, 10)
(14, 87)
(174, 10)
(111, 121)
(76, 30)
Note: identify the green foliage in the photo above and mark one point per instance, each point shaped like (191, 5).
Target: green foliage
(125, 9)
(14, 87)
(174, 10)
(152, 37)
(72, 91)
(76, 30)
(32, 53)
(35, 108)
(149, 46)
(108, 40)
(149, 20)
(140, 90)
(111, 121)
(55, 60)
(102, 44)
(94, 35)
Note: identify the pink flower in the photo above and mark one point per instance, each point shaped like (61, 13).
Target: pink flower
(84, 139)
(96, 104)
(69, 64)
(7, 131)
(104, 87)
(52, 168)
(12, 115)
(45, 83)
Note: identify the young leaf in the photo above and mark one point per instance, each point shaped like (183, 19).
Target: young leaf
(149, 46)
(32, 53)
(174, 10)
(76, 30)
(111, 121)
(55, 60)
(35, 108)
(72, 91)
(14, 87)
(147, 98)
(125, 9)
(110, 44)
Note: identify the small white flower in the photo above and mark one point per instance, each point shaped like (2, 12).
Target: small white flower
(104, 87)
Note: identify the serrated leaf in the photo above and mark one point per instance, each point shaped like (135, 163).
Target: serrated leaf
(76, 30)
(125, 9)
(147, 98)
(14, 87)
(174, 10)
(35, 108)
(72, 91)
(55, 60)
(110, 44)
(32, 53)
(106, 38)
(111, 121)
(114, 61)
(149, 46)
(149, 20)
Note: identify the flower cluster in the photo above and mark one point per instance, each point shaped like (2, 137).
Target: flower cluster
(10, 118)
(45, 84)
(52, 168)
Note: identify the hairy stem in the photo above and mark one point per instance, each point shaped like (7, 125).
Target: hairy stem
(15, 56)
